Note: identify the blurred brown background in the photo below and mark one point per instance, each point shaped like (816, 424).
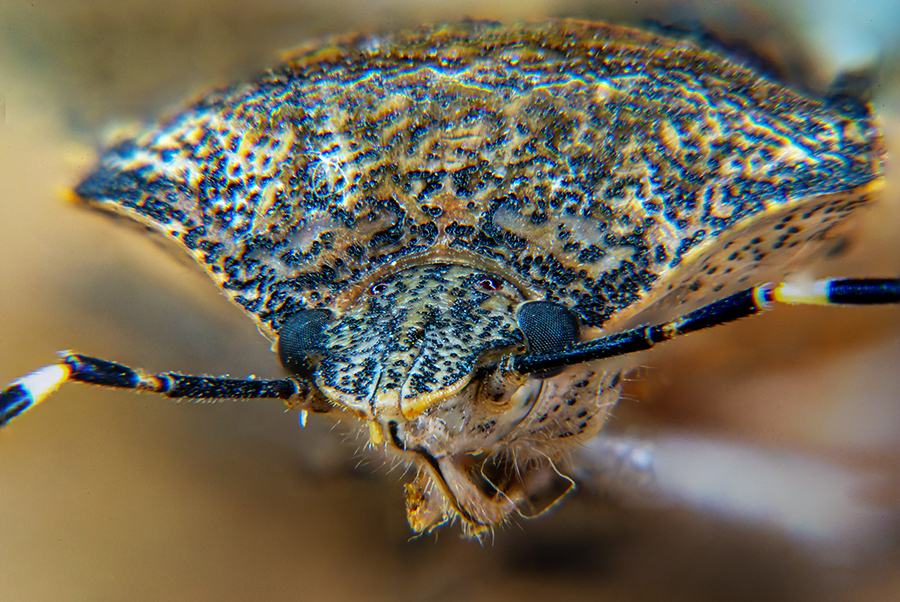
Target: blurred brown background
(112, 496)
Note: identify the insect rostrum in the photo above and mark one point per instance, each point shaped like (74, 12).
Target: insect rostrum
(420, 221)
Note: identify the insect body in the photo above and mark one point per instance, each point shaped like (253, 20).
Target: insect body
(442, 230)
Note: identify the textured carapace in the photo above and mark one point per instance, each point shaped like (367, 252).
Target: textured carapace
(416, 338)
(423, 186)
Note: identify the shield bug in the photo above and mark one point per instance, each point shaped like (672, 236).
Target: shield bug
(444, 232)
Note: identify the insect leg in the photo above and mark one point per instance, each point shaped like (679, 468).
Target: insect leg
(33, 388)
(751, 301)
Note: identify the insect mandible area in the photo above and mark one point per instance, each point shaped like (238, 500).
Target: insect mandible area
(435, 227)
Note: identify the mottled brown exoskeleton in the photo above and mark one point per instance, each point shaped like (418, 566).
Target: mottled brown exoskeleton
(444, 232)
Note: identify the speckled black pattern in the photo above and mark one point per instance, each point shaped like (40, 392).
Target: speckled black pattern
(595, 166)
(424, 187)
(415, 337)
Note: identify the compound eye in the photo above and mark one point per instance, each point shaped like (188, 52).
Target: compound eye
(302, 334)
(548, 326)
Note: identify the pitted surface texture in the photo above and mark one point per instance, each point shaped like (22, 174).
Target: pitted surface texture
(416, 338)
(591, 163)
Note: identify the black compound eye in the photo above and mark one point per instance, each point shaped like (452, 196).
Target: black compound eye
(300, 335)
(548, 326)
